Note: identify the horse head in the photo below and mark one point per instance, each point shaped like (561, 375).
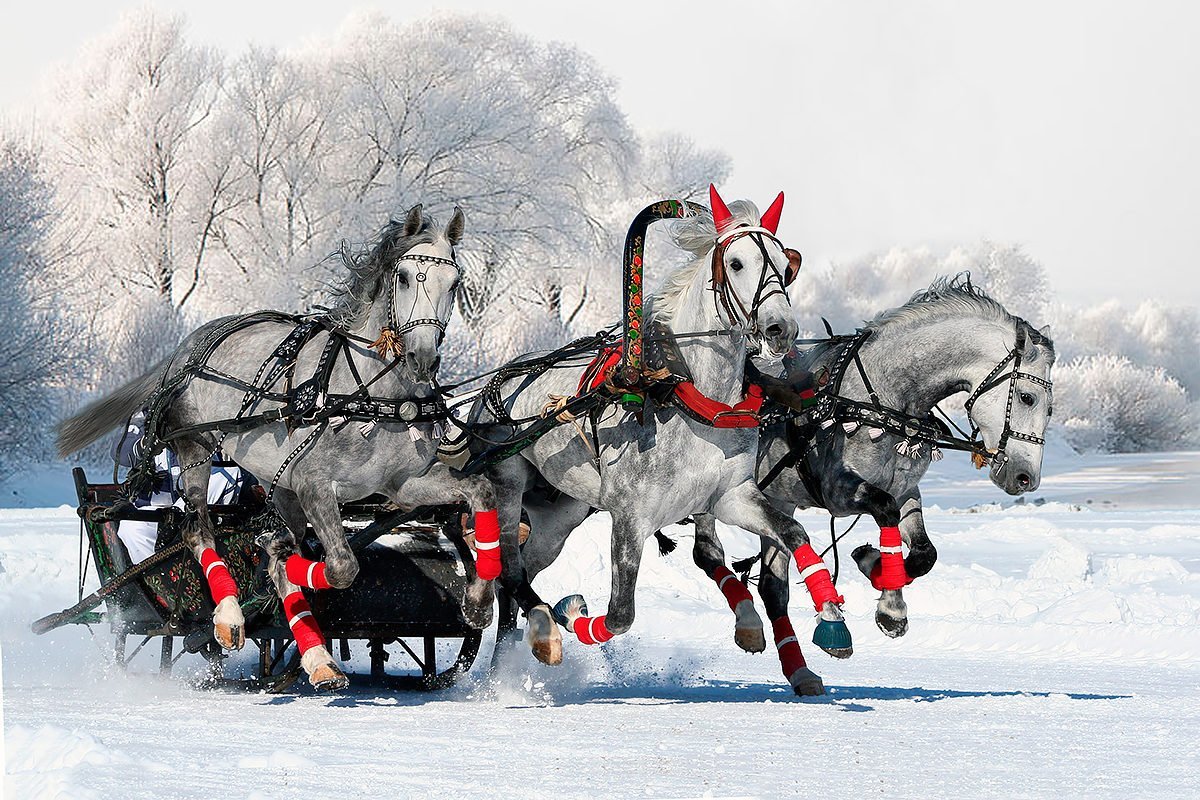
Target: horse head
(751, 270)
(417, 279)
(1012, 406)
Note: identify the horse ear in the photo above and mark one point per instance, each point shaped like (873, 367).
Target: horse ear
(770, 220)
(793, 268)
(721, 216)
(1044, 331)
(414, 221)
(454, 230)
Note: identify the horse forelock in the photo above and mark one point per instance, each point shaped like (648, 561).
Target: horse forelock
(370, 266)
(956, 294)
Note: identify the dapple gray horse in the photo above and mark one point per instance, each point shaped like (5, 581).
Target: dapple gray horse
(398, 299)
(947, 339)
(653, 472)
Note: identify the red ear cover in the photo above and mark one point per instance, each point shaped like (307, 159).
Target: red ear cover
(770, 220)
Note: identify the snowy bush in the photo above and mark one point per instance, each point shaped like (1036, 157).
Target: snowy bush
(1107, 403)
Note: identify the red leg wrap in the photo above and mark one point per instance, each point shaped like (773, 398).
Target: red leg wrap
(302, 622)
(309, 574)
(788, 646)
(816, 576)
(889, 572)
(220, 582)
(734, 590)
(487, 545)
(592, 630)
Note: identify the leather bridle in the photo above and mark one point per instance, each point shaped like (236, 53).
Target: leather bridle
(419, 277)
(997, 377)
(770, 280)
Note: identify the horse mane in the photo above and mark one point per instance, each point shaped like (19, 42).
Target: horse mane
(957, 293)
(369, 266)
(695, 234)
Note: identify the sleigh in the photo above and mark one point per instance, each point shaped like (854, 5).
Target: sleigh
(414, 567)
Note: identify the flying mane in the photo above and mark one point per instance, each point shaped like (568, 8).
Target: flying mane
(957, 294)
(370, 265)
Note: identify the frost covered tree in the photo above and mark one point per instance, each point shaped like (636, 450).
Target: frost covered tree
(1107, 403)
(30, 358)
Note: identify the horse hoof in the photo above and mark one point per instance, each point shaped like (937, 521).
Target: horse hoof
(229, 626)
(865, 557)
(892, 627)
(566, 610)
(751, 640)
(544, 638)
(806, 683)
(833, 637)
(328, 677)
(477, 611)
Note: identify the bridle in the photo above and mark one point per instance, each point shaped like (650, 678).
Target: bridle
(770, 280)
(420, 276)
(996, 378)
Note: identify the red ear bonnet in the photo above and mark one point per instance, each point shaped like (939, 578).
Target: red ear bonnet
(721, 216)
(770, 220)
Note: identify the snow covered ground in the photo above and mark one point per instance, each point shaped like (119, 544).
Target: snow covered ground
(1053, 652)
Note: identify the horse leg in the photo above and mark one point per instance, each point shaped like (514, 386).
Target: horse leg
(550, 525)
(775, 593)
(442, 485)
(229, 626)
(710, 558)
(746, 507)
(887, 567)
(315, 658)
(629, 536)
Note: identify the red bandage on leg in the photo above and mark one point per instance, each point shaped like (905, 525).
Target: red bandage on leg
(734, 590)
(487, 545)
(788, 646)
(309, 574)
(889, 572)
(302, 622)
(592, 630)
(220, 583)
(815, 575)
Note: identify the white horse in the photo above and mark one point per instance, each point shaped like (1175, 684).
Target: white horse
(693, 453)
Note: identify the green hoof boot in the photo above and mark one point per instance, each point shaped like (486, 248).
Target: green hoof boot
(833, 638)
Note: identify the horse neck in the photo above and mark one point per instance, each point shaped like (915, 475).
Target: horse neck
(914, 366)
(717, 363)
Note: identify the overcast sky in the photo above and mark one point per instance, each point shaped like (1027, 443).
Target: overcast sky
(1071, 128)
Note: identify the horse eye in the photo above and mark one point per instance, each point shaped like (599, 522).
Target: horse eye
(736, 265)
(402, 279)
(1028, 399)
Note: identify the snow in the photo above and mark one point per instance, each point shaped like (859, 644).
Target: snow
(1053, 652)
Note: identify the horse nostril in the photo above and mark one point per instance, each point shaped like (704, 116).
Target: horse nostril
(1023, 480)
(775, 330)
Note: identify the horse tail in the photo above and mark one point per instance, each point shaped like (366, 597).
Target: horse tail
(101, 416)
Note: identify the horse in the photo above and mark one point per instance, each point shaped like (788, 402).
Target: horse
(362, 425)
(949, 338)
(631, 465)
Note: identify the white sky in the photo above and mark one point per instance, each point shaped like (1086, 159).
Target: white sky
(1071, 128)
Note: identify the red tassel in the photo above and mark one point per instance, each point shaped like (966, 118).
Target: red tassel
(816, 576)
(790, 657)
(592, 630)
(734, 590)
(300, 619)
(889, 571)
(220, 583)
(487, 545)
(309, 574)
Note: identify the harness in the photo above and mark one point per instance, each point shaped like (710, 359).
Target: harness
(916, 432)
(305, 404)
